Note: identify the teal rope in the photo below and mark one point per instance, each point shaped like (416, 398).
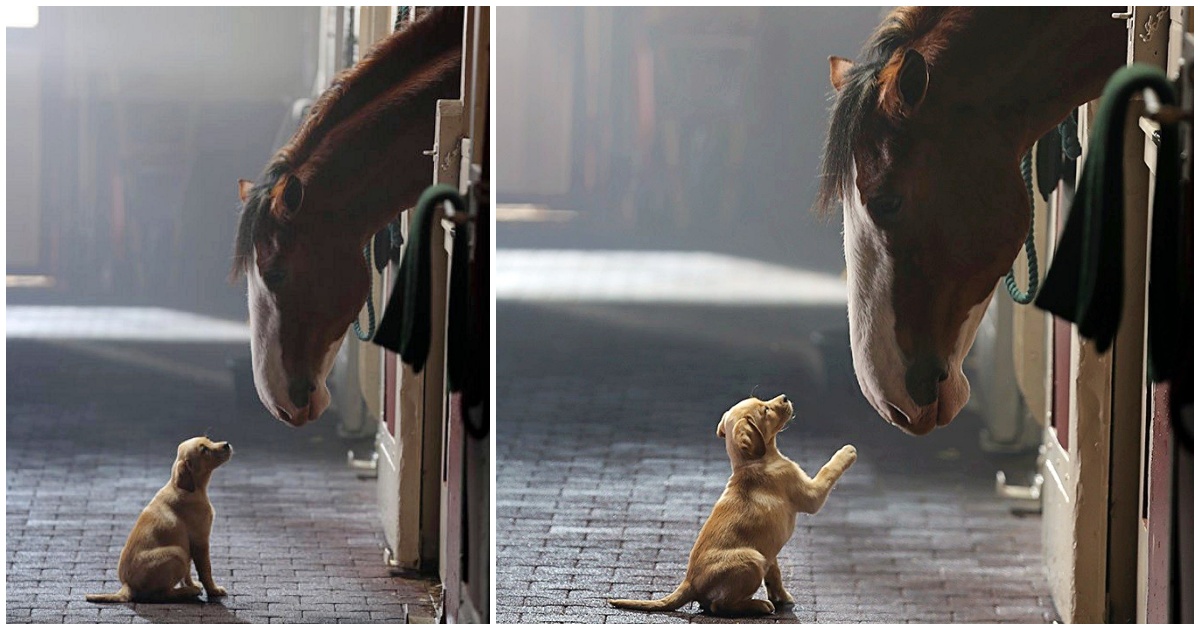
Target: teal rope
(370, 301)
(1010, 282)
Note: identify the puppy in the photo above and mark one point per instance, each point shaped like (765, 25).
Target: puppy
(172, 532)
(755, 516)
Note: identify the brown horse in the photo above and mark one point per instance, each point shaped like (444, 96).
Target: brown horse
(923, 149)
(356, 161)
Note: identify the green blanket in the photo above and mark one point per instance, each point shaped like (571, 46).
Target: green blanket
(1084, 282)
(405, 327)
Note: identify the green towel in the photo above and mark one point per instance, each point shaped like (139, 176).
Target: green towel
(1084, 282)
(405, 326)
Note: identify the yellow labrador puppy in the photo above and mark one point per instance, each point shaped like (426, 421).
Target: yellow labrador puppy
(172, 532)
(755, 516)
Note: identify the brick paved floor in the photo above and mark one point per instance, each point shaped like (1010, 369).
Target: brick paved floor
(608, 466)
(91, 434)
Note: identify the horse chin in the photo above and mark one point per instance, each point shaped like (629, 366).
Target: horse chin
(319, 401)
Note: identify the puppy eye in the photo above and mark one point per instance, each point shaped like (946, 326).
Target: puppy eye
(203, 448)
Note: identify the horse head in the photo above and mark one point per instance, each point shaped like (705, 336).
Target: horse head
(934, 212)
(306, 281)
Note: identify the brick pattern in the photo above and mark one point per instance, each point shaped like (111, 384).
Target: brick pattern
(296, 536)
(608, 465)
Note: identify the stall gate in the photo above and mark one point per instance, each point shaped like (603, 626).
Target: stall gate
(432, 474)
(1108, 446)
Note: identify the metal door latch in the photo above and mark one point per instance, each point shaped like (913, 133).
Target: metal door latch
(368, 468)
(1024, 499)
(389, 558)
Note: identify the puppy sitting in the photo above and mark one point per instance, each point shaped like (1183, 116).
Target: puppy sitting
(755, 516)
(172, 532)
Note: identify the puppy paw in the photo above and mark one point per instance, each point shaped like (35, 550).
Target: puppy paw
(848, 454)
(785, 602)
(216, 591)
(188, 591)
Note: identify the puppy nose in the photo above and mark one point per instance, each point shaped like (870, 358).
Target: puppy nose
(299, 391)
(785, 398)
(227, 447)
(922, 379)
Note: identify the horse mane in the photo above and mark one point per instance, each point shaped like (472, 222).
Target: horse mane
(426, 42)
(906, 27)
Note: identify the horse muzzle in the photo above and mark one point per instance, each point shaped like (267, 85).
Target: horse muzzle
(943, 399)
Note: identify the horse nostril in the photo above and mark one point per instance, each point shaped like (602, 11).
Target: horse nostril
(897, 417)
(943, 376)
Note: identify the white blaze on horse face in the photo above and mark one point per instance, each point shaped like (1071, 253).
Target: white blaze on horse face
(266, 354)
(878, 362)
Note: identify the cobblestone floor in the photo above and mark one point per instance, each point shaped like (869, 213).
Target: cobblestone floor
(608, 466)
(91, 434)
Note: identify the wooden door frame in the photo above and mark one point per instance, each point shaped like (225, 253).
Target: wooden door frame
(1095, 539)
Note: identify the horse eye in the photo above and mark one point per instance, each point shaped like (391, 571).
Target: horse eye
(884, 207)
(274, 278)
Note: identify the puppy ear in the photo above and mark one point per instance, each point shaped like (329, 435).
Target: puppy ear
(721, 425)
(748, 439)
(182, 477)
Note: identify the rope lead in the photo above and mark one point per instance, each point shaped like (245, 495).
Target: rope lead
(370, 301)
(1010, 282)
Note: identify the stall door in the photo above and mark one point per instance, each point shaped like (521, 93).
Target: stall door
(1162, 597)
(410, 437)
(1093, 450)
(1075, 460)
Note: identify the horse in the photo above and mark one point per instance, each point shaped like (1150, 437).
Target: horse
(925, 138)
(354, 163)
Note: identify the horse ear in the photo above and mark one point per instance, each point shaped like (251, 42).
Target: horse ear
(839, 67)
(244, 186)
(288, 196)
(912, 79)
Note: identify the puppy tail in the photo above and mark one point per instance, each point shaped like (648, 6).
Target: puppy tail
(110, 598)
(674, 601)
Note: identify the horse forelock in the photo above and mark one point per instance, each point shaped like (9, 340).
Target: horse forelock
(255, 211)
(906, 27)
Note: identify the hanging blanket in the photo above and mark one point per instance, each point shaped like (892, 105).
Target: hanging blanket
(1084, 283)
